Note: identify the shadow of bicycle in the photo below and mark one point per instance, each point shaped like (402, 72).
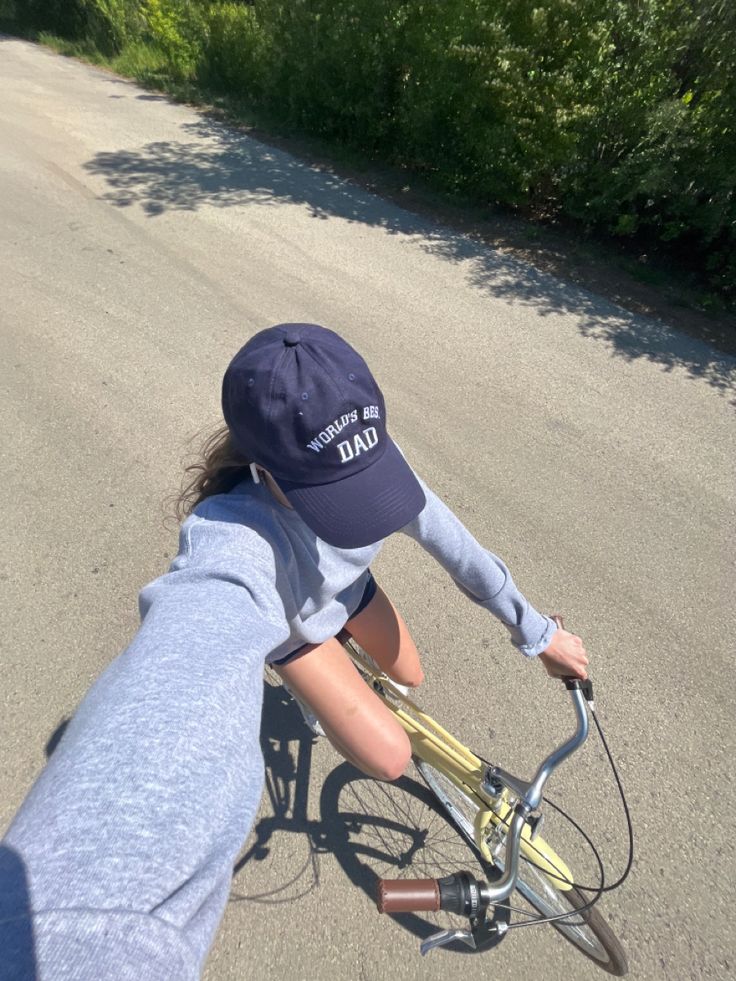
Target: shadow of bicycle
(286, 743)
(375, 830)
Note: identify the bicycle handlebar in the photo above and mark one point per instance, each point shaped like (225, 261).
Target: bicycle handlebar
(415, 895)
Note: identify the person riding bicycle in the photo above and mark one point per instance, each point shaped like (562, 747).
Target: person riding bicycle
(123, 850)
(327, 486)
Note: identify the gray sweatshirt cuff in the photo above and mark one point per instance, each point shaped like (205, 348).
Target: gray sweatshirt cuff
(531, 650)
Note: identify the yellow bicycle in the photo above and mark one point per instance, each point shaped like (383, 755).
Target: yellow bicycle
(495, 813)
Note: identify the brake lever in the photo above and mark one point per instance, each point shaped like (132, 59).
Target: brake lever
(445, 937)
(483, 933)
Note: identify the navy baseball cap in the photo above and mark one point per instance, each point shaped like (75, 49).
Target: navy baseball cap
(300, 402)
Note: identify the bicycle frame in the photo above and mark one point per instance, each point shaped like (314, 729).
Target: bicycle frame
(437, 747)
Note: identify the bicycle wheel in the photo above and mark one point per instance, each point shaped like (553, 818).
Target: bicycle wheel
(588, 931)
(398, 831)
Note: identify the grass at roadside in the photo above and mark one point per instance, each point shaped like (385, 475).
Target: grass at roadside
(640, 283)
(138, 60)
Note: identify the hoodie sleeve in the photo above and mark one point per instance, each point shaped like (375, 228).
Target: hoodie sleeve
(119, 861)
(478, 573)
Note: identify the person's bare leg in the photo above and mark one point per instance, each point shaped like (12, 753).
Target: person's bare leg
(354, 718)
(380, 630)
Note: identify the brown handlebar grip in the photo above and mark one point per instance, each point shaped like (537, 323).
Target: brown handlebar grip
(408, 895)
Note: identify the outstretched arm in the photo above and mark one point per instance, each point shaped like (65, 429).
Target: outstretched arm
(119, 861)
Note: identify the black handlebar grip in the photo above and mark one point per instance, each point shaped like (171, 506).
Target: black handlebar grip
(408, 895)
(586, 687)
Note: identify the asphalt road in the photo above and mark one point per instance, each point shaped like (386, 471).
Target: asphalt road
(141, 244)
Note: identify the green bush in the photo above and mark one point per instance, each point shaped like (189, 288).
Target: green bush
(659, 158)
(334, 68)
(233, 49)
(106, 24)
(492, 99)
(177, 27)
(111, 24)
(64, 17)
(618, 114)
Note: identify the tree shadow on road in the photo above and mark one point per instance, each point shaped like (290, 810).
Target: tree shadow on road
(217, 166)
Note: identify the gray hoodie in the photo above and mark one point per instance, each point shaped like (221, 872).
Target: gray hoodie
(118, 863)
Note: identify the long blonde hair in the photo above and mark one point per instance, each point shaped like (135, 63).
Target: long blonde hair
(216, 470)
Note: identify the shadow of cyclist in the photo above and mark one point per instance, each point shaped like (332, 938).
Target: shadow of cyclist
(16, 926)
(286, 744)
(372, 829)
